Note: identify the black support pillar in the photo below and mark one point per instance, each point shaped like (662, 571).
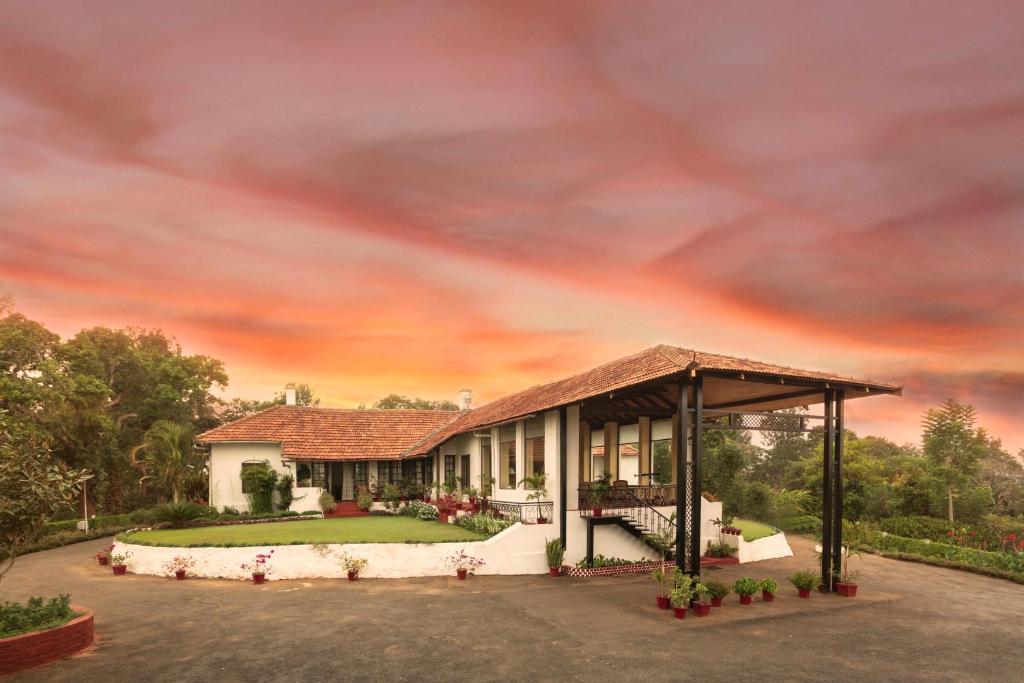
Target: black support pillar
(680, 430)
(697, 483)
(837, 490)
(563, 487)
(828, 492)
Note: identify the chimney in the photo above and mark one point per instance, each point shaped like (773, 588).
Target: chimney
(289, 394)
(465, 398)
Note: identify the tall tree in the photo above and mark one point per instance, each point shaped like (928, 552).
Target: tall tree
(397, 401)
(237, 408)
(953, 445)
(167, 458)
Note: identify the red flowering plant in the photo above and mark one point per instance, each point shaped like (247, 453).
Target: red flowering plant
(260, 565)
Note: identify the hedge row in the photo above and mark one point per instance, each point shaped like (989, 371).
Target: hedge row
(989, 534)
(62, 538)
(108, 521)
(1007, 562)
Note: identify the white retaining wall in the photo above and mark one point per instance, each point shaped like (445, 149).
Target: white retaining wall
(767, 548)
(517, 550)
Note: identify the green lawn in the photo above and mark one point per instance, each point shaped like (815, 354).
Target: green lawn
(754, 530)
(374, 529)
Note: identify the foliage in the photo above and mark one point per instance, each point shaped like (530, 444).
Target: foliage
(719, 550)
(745, 586)
(391, 495)
(178, 563)
(285, 491)
(35, 615)
(554, 552)
(716, 589)
(804, 579)
(470, 491)
(422, 510)
(34, 487)
(602, 561)
(365, 500)
(167, 457)
(599, 489)
(63, 538)
(396, 402)
(462, 561)
(684, 589)
(104, 522)
(260, 564)
(483, 523)
(351, 563)
(326, 502)
(953, 445)
(848, 553)
(238, 408)
(769, 586)
(259, 480)
(663, 542)
(120, 559)
(1004, 561)
(536, 484)
(179, 514)
(800, 524)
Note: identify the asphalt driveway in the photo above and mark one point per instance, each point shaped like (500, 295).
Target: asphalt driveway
(913, 622)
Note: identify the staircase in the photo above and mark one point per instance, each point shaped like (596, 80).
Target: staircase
(346, 508)
(633, 515)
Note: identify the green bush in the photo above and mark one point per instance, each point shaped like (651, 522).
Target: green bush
(284, 491)
(1008, 562)
(34, 615)
(800, 524)
(259, 481)
(179, 514)
(805, 580)
(62, 538)
(484, 524)
(98, 522)
(421, 510)
(745, 586)
(602, 561)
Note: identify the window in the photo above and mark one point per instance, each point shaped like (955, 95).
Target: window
(629, 462)
(319, 474)
(412, 471)
(303, 474)
(464, 471)
(485, 466)
(360, 472)
(597, 462)
(661, 461)
(449, 469)
(389, 472)
(535, 456)
(507, 453)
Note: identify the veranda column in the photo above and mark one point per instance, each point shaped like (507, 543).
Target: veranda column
(563, 471)
(827, 491)
(698, 479)
(837, 489)
(680, 429)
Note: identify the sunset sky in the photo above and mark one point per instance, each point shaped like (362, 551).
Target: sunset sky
(379, 197)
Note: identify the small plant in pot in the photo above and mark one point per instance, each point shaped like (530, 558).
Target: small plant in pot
(716, 590)
(702, 605)
(805, 581)
(847, 585)
(327, 503)
(598, 490)
(684, 588)
(364, 500)
(119, 563)
(555, 554)
(103, 556)
(663, 542)
(471, 493)
(178, 566)
(463, 563)
(745, 588)
(353, 565)
(259, 567)
(536, 484)
(769, 589)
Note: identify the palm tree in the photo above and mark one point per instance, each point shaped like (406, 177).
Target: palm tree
(167, 457)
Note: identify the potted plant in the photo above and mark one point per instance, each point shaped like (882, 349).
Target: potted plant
(535, 482)
(716, 590)
(683, 589)
(703, 604)
(119, 563)
(178, 566)
(364, 500)
(260, 566)
(374, 489)
(471, 493)
(103, 556)
(391, 495)
(555, 554)
(745, 588)
(598, 490)
(769, 589)
(353, 565)
(805, 581)
(847, 586)
(327, 503)
(463, 563)
(663, 542)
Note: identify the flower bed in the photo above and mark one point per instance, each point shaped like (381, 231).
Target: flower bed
(27, 650)
(1011, 562)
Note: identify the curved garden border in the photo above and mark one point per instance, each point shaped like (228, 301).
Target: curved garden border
(516, 550)
(31, 649)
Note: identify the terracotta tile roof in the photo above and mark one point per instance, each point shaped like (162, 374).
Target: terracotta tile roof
(653, 363)
(334, 433)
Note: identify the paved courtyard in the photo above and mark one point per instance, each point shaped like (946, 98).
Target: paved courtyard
(914, 622)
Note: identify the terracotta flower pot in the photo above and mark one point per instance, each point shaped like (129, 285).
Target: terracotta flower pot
(703, 608)
(472, 500)
(680, 612)
(353, 576)
(847, 590)
(662, 601)
(597, 512)
(103, 560)
(804, 592)
(179, 574)
(259, 578)
(767, 596)
(746, 599)
(542, 520)
(555, 571)
(716, 602)
(119, 569)
(443, 517)
(462, 574)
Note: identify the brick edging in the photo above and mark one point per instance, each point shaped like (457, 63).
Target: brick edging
(637, 568)
(34, 648)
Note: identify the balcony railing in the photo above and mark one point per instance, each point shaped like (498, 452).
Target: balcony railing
(527, 513)
(618, 497)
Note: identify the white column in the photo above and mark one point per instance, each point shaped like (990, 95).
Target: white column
(552, 439)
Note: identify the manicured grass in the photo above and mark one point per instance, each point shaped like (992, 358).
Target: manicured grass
(375, 529)
(754, 530)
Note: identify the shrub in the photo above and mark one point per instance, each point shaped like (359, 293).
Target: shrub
(365, 500)
(99, 522)
(259, 479)
(805, 580)
(326, 502)
(769, 586)
(716, 589)
(284, 491)
(228, 510)
(1004, 561)
(602, 561)
(484, 524)
(554, 552)
(719, 550)
(179, 514)
(34, 615)
(351, 563)
(800, 524)
(745, 586)
(421, 510)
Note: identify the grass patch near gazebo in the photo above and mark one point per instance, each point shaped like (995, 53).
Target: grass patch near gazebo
(754, 530)
(374, 529)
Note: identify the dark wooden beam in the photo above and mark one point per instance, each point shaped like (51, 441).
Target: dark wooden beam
(698, 479)
(827, 491)
(680, 430)
(563, 490)
(837, 489)
(763, 399)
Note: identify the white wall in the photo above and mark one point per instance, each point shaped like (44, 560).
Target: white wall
(226, 471)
